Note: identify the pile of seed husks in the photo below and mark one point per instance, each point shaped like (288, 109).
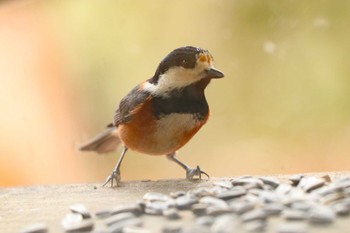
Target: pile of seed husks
(244, 204)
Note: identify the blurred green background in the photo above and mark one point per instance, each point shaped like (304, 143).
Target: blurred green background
(283, 107)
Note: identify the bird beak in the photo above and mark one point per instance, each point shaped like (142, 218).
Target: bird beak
(214, 73)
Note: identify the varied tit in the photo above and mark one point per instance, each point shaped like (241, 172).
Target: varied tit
(160, 115)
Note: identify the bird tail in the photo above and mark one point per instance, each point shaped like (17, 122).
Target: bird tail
(104, 142)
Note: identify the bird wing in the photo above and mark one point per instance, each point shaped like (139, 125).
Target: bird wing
(131, 101)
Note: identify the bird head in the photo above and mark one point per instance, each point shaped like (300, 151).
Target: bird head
(182, 67)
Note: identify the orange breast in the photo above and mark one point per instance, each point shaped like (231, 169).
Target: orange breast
(146, 134)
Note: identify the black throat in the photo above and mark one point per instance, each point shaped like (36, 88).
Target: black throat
(187, 100)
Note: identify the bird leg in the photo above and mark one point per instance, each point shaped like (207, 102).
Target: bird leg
(115, 175)
(190, 172)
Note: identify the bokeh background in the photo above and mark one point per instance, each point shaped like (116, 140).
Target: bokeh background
(283, 107)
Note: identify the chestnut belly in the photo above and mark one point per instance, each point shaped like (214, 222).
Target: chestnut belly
(159, 136)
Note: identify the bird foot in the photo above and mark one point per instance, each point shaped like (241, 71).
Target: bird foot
(114, 176)
(192, 172)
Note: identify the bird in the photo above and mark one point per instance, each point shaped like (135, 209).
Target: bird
(160, 115)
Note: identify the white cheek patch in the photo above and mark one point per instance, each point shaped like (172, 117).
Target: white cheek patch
(177, 78)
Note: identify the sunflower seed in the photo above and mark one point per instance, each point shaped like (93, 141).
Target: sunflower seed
(100, 230)
(269, 196)
(134, 208)
(80, 209)
(232, 193)
(119, 226)
(271, 181)
(104, 213)
(343, 183)
(255, 226)
(195, 229)
(341, 209)
(218, 210)
(297, 194)
(346, 192)
(294, 215)
(241, 207)
(205, 221)
(310, 183)
(302, 205)
(71, 220)
(199, 209)
(172, 228)
(201, 192)
(345, 201)
(177, 194)
(156, 207)
(214, 191)
(185, 202)
(35, 228)
(249, 183)
(83, 226)
(253, 199)
(273, 208)
(292, 228)
(223, 224)
(255, 191)
(171, 213)
(332, 197)
(151, 196)
(327, 178)
(256, 214)
(223, 184)
(135, 229)
(118, 218)
(213, 201)
(283, 189)
(295, 179)
(322, 215)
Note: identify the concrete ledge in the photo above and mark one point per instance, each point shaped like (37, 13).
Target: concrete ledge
(20, 206)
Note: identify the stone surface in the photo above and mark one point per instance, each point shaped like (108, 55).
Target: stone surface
(23, 206)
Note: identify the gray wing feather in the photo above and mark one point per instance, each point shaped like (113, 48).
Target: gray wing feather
(135, 97)
(104, 142)
(108, 140)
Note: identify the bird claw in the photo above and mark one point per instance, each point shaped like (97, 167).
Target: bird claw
(114, 176)
(191, 172)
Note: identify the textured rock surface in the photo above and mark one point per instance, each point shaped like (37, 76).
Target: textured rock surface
(23, 206)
